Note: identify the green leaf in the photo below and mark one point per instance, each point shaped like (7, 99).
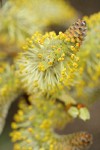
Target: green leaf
(73, 111)
(84, 114)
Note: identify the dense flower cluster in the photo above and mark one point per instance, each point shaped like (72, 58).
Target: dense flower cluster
(89, 65)
(9, 90)
(49, 12)
(34, 127)
(9, 84)
(49, 61)
(16, 25)
(52, 76)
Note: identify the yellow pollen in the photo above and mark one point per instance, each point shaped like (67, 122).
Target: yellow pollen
(72, 40)
(77, 45)
(14, 125)
(40, 56)
(77, 59)
(50, 63)
(30, 130)
(72, 48)
(68, 39)
(75, 65)
(72, 56)
(41, 67)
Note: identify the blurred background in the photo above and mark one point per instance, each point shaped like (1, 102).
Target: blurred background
(84, 7)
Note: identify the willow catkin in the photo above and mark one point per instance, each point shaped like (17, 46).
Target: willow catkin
(49, 61)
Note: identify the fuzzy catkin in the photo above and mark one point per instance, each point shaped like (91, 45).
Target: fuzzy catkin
(33, 127)
(49, 62)
(87, 87)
